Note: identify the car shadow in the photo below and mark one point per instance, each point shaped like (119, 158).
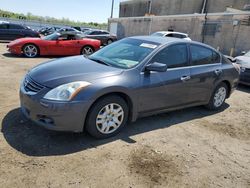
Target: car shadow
(30, 139)
(243, 88)
(10, 55)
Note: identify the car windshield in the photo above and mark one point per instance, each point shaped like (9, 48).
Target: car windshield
(157, 34)
(87, 32)
(125, 54)
(53, 36)
(247, 54)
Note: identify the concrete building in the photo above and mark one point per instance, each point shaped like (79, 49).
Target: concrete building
(228, 31)
(136, 8)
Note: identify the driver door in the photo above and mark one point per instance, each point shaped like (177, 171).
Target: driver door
(170, 89)
(62, 46)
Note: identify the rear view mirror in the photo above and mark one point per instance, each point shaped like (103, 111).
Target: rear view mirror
(158, 67)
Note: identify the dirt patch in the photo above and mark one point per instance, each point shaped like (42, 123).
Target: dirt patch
(241, 131)
(154, 166)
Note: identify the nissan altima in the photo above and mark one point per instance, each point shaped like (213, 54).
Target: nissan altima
(131, 78)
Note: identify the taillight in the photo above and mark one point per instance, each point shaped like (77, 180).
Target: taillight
(237, 67)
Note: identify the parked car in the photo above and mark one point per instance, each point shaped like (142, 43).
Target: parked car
(54, 44)
(171, 34)
(244, 62)
(77, 28)
(48, 30)
(85, 29)
(10, 31)
(131, 78)
(104, 36)
(66, 30)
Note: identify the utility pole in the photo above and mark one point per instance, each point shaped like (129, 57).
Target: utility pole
(112, 9)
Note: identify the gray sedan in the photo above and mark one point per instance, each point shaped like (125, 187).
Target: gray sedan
(131, 78)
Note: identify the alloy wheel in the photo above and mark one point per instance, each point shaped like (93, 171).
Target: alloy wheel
(109, 118)
(220, 96)
(87, 50)
(30, 50)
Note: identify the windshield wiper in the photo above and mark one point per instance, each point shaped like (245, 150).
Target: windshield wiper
(99, 61)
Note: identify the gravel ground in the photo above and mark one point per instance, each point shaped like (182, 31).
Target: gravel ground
(187, 148)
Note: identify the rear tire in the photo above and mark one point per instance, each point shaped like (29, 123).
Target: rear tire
(107, 117)
(109, 41)
(87, 50)
(218, 97)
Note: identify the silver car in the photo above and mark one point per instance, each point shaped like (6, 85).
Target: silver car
(244, 62)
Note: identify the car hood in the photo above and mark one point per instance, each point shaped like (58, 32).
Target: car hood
(64, 70)
(243, 58)
(24, 40)
(244, 61)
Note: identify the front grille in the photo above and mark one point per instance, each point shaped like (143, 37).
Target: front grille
(31, 86)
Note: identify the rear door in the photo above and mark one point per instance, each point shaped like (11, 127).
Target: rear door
(205, 71)
(170, 89)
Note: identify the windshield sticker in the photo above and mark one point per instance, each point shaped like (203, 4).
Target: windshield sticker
(147, 45)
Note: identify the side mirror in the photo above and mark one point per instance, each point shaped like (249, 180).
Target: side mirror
(243, 52)
(158, 67)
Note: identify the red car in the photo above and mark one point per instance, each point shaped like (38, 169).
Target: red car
(54, 44)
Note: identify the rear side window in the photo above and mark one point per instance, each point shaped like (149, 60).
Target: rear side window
(174, 56)
(179, 36)
(3, 26)
(201, 55)
(14, 26)
(105, 33)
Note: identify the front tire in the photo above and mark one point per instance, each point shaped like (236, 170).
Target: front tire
(107, 117)
(218, 98)
(30, 50)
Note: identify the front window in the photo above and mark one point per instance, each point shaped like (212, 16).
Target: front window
(87, 32)
(53, 36)
(173, 56)
(125, 54)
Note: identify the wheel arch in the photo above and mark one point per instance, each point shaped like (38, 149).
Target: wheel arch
(38, 48)
(229, 87)
(87, 45)
(123, 95)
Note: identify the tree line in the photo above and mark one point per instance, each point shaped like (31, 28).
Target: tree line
(51, 20)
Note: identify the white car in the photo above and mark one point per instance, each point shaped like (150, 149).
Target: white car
(171, 34)
(244, 62)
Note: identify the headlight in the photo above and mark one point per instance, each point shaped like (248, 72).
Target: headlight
(66, 92)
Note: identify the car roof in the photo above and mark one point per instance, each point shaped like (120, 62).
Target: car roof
(98, 30)
(168, 40)
(4, 22)
(174, 32)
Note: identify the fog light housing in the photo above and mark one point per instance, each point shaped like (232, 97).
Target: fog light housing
(45, 119)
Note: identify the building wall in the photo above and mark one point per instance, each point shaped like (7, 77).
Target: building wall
(136, 8)
(226, 30)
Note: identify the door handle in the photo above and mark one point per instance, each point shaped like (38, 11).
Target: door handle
(217, 71)
(185, 78)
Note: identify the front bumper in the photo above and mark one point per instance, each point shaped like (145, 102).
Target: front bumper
(14, 50)
(53, 115)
